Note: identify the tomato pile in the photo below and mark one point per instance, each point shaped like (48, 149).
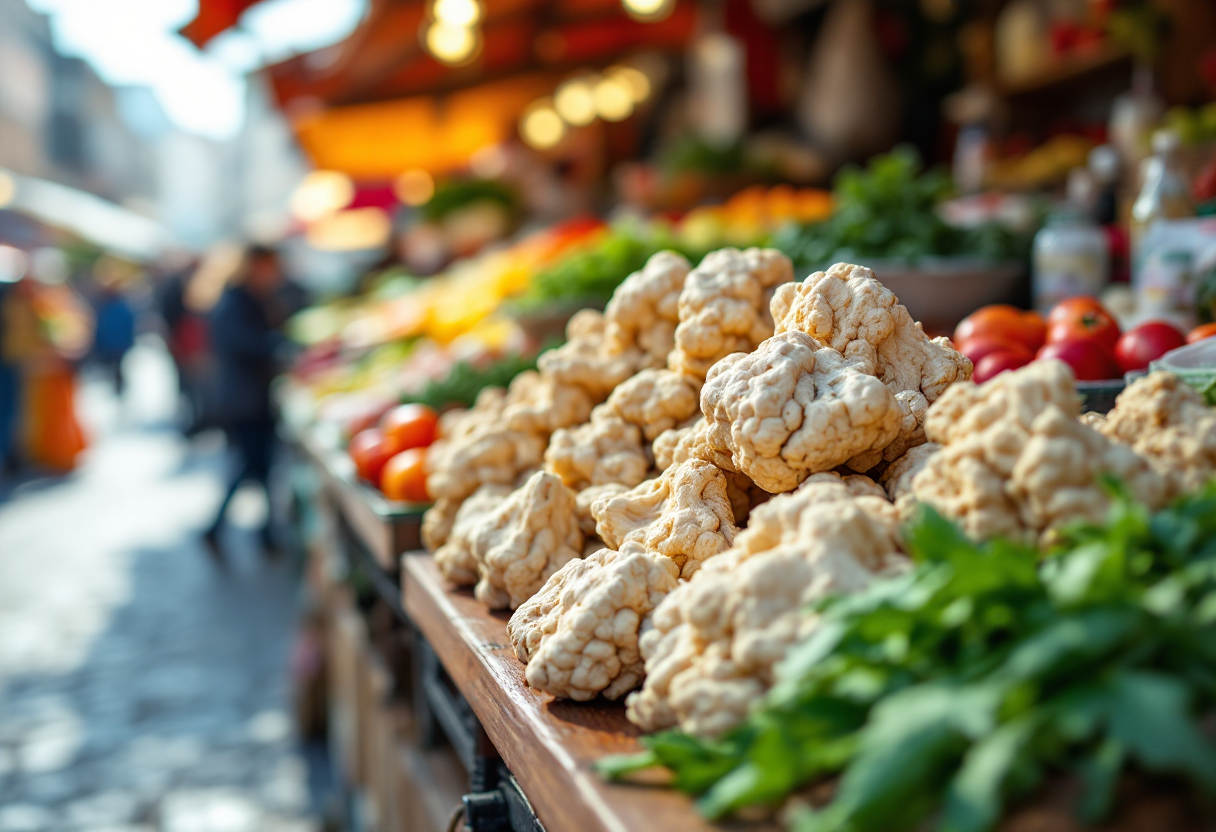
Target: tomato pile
(1078, 331)
(392, 456)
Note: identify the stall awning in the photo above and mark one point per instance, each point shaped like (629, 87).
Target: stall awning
(371, 142)
(385, 60)
(213, 18)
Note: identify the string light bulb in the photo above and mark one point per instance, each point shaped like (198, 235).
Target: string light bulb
(457, 12)
(648, 11)
(541, 126)
(452, 45)
(613, 100)
(637, 81)
(575, 101)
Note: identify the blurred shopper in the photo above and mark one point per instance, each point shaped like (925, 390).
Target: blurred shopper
(185, 332)
(20, 343)
(246, 347)
(114, 334)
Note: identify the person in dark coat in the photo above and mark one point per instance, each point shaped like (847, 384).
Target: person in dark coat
(247, 350)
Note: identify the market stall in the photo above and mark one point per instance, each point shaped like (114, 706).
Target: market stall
(755, 481)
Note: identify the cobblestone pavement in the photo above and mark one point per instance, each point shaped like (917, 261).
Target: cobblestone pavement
(141, 687)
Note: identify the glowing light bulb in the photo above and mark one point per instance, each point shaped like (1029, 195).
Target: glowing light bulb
(648, 10)
(637, 81)
(320, 194)
(613, 100)
(414, 187)
(575, 101)
(356, 230)
(541, 126)
(457, 12)
(452, 45)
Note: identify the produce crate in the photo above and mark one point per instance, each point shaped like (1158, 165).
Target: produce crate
(548, 746)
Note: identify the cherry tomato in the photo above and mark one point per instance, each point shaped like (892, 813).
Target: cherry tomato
(371, 449)
(1004, 322)
(1201, 332)
(995, 363)
(411, 425)
(981, 346)
(404, 477)
(1147, 342)
(1077, 319)
(1088, 359)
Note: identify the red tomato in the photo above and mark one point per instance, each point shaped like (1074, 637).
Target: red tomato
(1201, 332)
(995, 363)
(404, 477)
(1088, 359)
(1077, 319)
(1146, 343)
(410, 425)
(981, 346)
(1007, 323)
(371, 449)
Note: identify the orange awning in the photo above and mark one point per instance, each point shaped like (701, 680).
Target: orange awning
(379, 141)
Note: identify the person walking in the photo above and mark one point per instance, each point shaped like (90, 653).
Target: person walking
(114, 335)
(246, 350)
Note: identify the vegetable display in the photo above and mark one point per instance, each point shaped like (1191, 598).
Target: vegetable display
(700, 504)
(954, 689)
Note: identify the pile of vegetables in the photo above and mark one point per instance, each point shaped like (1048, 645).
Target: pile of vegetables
(956, 689)
(459, 388)
(888, 210)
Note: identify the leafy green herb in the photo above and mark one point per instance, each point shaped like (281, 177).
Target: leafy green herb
(949, 691)
(461, 386)
(594, 271)
(452, 196)
(889, 210)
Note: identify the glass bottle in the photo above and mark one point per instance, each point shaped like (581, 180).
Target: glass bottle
(1071, 258)
(1165, 194)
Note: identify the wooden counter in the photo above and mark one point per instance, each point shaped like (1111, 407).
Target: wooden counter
(548, 745)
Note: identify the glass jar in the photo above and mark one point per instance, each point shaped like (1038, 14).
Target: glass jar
(1071, 258)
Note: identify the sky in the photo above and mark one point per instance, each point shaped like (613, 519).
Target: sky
(135, 43)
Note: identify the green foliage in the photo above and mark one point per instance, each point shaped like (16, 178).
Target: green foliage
(460, 387)
(693, 154)
(452, 196)
(948, 691)
(595, 270)
(888, 210)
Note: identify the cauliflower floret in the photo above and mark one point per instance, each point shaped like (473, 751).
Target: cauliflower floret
(794, 407)
(540, 405)
(579, 634)
(487, 454)
(897, 479)
(656, 400)
(676, 444)
(1169, 424)
(685, 514)
(437, 522)
(847, 309)
(605, 450)
(585, 361)
(724, 307)
(644, 309)
(1016, 462)
(586, 498)
(524, 540)
(455, 558)
(716, 639)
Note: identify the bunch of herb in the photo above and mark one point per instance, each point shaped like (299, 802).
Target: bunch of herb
(888, 210)
(593, 271)
(459, 388)
(453, 195)
(944, 694)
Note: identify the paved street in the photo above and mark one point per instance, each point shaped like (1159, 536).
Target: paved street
(142, 687)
